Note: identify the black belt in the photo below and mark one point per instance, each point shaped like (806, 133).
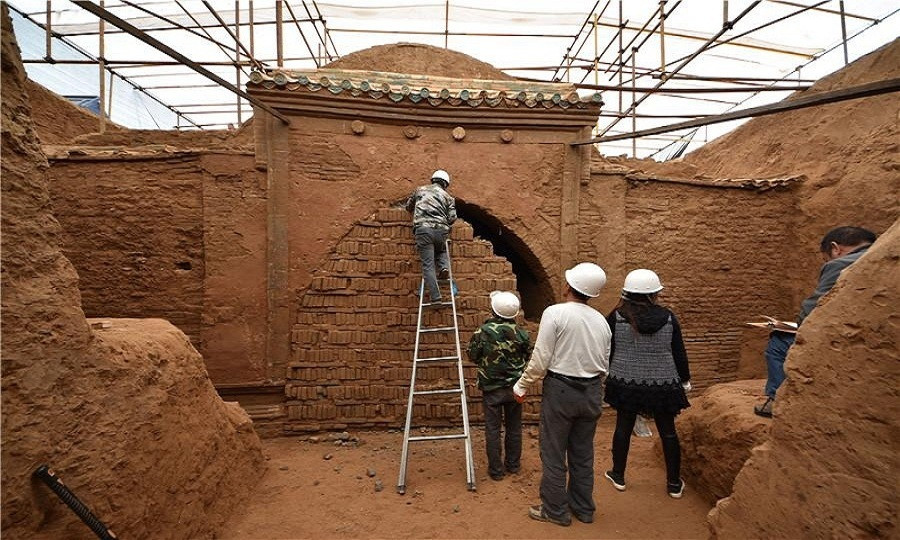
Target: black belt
(579, 383)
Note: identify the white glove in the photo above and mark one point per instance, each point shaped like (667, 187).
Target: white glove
(686, 385)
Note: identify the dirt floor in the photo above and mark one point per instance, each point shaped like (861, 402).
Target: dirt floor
(323, 490)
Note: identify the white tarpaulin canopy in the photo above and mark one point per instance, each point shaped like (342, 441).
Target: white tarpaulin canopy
(772, 44)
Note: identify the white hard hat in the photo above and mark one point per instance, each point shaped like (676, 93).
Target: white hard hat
(586, 278)
(441, 174)
(505, 304)
(642, 281)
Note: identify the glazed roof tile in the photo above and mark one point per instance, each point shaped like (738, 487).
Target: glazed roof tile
(436, 91)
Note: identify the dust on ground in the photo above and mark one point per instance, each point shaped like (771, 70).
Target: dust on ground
(319, 490)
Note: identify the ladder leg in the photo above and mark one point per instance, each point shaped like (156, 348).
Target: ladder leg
(404, 455)
(470, 461)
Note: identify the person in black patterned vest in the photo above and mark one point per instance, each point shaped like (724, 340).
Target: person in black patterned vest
(648, 374)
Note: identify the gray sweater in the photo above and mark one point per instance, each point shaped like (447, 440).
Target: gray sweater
(827, 278)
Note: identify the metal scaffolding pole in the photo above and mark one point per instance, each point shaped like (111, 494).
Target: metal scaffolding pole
(446, 23)
(662, 37)
(844, 33)
(101, 56)
(153, 42)
(633, 100)
(596, 49)
(252, 32)
(237, 57)
(821, 98)
(48, 43)
(279, 34)
(619, 61)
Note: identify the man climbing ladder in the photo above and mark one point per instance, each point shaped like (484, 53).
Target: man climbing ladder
(434, 211)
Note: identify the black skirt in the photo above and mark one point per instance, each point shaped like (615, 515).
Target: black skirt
(645, 399)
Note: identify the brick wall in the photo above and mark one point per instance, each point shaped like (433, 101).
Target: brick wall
(134, 232)
(354, 334)
(179, 237)
(724, 255)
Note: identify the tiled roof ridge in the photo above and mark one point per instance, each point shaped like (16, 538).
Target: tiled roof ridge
(398, 87)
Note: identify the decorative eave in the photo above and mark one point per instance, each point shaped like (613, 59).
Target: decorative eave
(756, 184)
(428, 99)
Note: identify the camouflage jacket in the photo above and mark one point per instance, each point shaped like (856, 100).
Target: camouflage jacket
(432, 207)
(500, 349)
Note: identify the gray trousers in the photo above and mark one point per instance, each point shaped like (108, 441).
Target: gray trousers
(501, 408)
(431, 244)
(568, 423)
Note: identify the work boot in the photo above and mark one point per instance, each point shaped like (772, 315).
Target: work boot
(765, 410)
(538, 513)
(444, 273)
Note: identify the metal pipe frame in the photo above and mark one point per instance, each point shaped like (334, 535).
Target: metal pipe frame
(302, 35)
(575, 39)
(316, 28)
(175, 25)
(815, 100)
(153, 42)
(237, 41)
(74, 46)
(725, 27)
(325, 28)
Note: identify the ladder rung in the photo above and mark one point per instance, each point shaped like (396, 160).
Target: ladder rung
(438, 437)
(442, 391)
(436, 304)
(437, 329)
(437, 359)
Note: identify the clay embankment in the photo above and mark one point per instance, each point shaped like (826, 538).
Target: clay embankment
(126, 415)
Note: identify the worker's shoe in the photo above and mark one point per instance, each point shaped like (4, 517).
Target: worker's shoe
(676, 490)
(584, 518)
(765, 410)
(618, 480)
(538, 513)
(444, 273)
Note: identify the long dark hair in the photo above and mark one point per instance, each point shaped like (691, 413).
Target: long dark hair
(633, 305)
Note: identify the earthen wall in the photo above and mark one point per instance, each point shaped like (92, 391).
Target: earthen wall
(179, 237)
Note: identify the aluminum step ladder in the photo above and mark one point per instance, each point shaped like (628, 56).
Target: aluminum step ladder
(459, 389)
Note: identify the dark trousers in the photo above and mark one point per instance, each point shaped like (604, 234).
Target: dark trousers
(776, 353)
(501, 408)
(431, 244)
(665, 425)
(568, 423)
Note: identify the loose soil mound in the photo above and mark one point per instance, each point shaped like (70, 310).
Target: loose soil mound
(849, 152)
(418, 59)
(717, 434)
(830, 468)
(127, 417)
(180, 139)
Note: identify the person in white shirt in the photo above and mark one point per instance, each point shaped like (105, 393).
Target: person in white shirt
(572, 354)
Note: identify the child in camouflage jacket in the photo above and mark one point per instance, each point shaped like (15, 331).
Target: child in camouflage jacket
(501, 349)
